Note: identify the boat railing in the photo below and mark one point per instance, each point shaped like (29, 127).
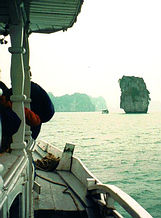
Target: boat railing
(109, 193)
(112, 194)
(105, 195)
(16, 180)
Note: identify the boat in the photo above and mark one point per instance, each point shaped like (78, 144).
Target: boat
(105, 111)
(69, 189)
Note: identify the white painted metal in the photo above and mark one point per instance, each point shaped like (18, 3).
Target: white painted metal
(30, 173)
(17, 80)
(27, 84)
(123, 199)
(17, 177)
(14, 183)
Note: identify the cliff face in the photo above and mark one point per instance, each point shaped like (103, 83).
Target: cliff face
(99, 103)
(76, 103)
(134, 95)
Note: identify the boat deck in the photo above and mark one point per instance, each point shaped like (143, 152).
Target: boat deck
(56, 198)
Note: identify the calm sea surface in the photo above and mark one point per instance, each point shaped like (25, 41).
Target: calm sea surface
(119, 149)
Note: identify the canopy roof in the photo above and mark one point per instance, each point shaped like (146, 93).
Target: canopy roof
(40, 16)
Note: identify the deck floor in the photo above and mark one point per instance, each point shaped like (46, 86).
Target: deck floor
(62, 194)
(52, 195)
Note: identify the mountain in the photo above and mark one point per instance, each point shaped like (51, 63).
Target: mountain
(77, 102)
(134, 95)
(99, 103)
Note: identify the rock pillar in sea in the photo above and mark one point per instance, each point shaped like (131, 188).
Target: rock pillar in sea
(134, 95)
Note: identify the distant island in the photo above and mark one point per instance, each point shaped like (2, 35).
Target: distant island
(77, 102)
(134, 95)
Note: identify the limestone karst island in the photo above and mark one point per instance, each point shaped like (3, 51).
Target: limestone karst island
(134, 95)
(77, 102)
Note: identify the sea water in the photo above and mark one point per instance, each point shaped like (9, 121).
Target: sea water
(119, 149)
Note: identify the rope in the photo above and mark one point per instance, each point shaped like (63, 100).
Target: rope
(51, 181)
(64, 191)
(67, 192)
(47, 163)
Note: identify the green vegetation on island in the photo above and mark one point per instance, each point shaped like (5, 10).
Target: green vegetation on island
(134, 95)
(77, 102)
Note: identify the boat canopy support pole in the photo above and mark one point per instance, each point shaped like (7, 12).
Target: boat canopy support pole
(27, 83)
(27, 87)
(17, 73)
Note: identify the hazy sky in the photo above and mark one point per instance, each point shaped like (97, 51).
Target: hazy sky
(111, 38)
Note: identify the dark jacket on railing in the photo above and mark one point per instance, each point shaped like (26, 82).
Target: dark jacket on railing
(41, 105)
(9, 122)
